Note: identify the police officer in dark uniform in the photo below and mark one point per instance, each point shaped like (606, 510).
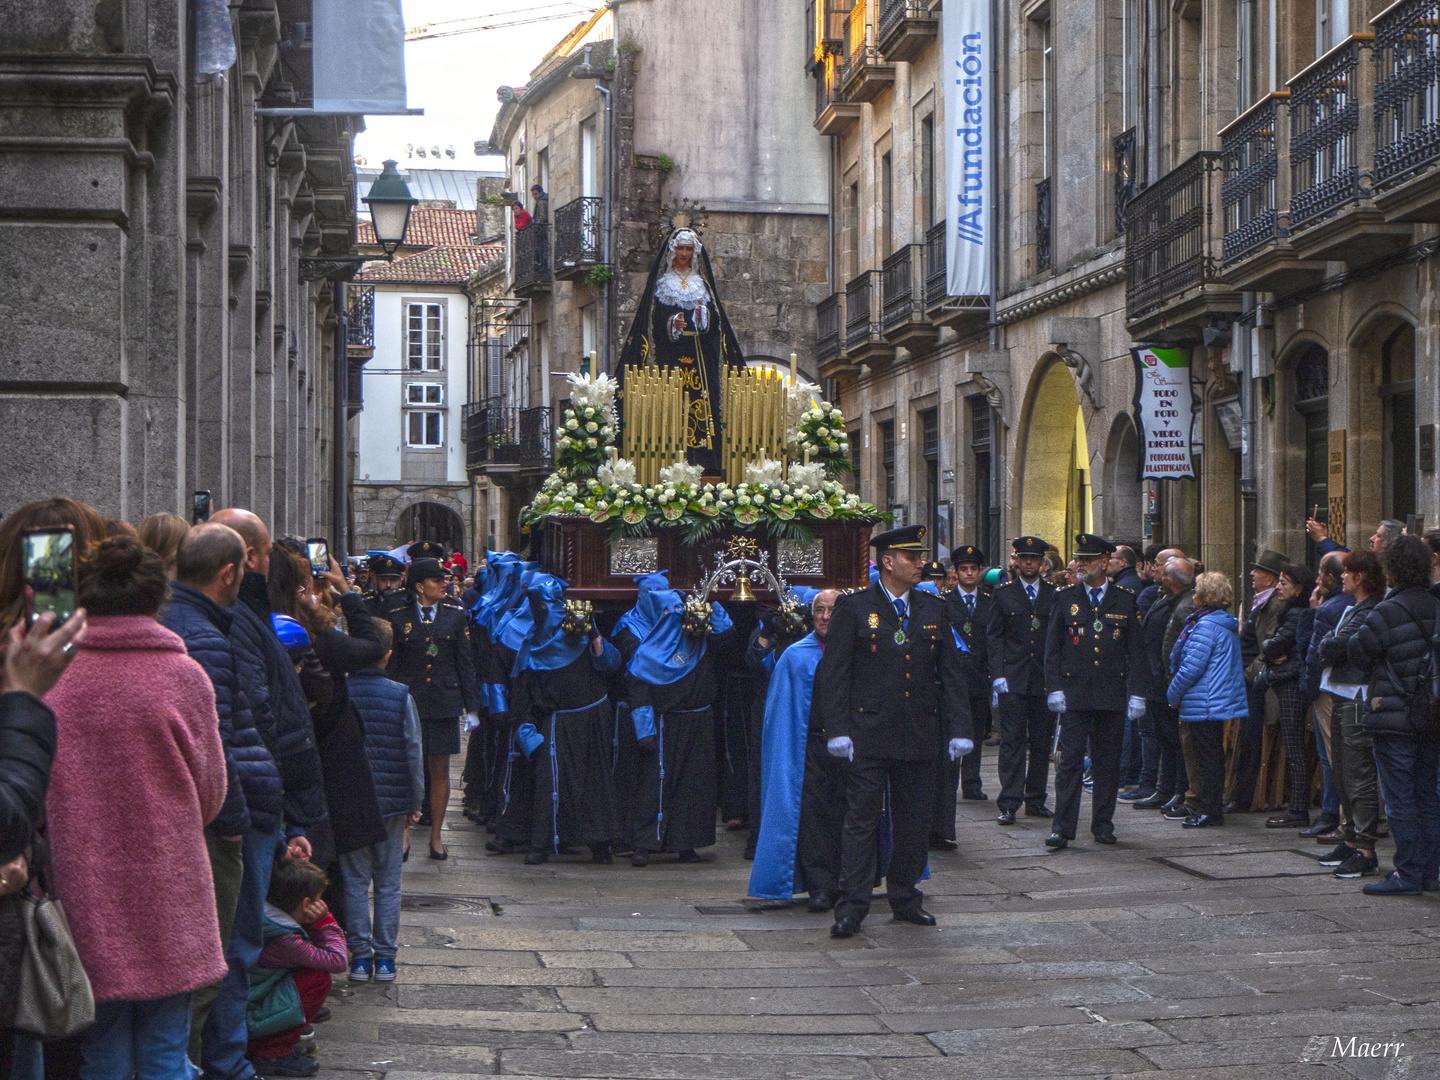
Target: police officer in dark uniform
(432, 657)
(890, 693)
(1094, 659)
(969, 606)
(1015, 648)
(388, 574)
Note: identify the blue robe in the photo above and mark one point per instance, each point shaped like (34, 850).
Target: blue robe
(782, 757)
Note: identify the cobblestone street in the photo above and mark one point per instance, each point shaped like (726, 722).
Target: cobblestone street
(1226, 954)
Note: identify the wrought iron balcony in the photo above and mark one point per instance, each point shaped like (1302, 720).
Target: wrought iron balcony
(1407, 110)
(866, 75)
(835, 114)
(532, 259)
(964, 313)
(830, 328)
(507, 438)
(902, 300)
(1324, 112)
(1043, 229)
(937, 266)
(1249, 193)
(360, 317)
(864, 325)
(579, 237)
(1172, 246)
(906, 28)
(1124, 148)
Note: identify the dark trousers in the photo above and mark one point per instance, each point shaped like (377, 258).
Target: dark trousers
(911, 786)
(1170, 774)
(1130, 753)
(1407, 770)
(822, 819)
(970, 763)
(1353, 767)
(1294, 734)
(1207, 741)
(1026, 731)
(1247, 750)
(947, 782)
(1149, 734)
(1104, 730)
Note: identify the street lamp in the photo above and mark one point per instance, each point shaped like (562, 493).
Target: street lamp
(390, 203)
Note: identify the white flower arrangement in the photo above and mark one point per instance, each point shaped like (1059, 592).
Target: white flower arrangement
(619, 471)
(766, 471)
(809, 477)
(681, 473)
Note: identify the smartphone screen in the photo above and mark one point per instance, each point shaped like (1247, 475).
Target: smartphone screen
(319, 551)
(199, 507)
(48, 567)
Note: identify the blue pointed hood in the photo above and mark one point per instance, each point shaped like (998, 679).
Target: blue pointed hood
(547, 646)
(640, 619)
(668, 654)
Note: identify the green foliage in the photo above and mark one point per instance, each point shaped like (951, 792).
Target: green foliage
(599, 274)
(665, 162)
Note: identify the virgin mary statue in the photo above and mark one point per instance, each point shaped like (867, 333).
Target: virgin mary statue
(680, 324)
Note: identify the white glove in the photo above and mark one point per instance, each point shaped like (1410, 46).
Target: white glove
(1136, 709)
(1056, 702)
(471, 721)
(1000, 686)
(959, 748)
(841, 747)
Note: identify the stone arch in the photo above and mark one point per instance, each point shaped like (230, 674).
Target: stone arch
(1054, 467)
(436, 517)
(1379, 416)
(1378, 323)
(1124, 505)
(776, 354)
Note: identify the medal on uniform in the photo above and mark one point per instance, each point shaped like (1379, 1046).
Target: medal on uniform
(433, 650)
(1099, 626)
(874, 621)
(899, 637)
(1034, 623)
(966, 628)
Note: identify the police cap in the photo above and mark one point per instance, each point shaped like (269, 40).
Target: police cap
(424, 569)
(384, 564)
(935, 571)
(967, 553)
(906, 538)
(1029, 545)
(425, 549)
(1088, 544)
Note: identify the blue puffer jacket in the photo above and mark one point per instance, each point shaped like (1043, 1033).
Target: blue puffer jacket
(254, 783)
(392, 739)
(278, 705)
(1209, 680)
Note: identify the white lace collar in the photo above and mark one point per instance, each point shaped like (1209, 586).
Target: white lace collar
(688, 292)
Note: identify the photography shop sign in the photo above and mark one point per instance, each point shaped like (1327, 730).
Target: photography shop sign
(1162, 413)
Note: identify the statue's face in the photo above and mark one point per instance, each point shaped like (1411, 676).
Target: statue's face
(684, 256)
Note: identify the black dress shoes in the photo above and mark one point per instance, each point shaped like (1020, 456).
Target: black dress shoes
(1178, 812)
(976, 796)
(1288, 819)
(845, 927)
(1105, 837)
(1038, 809)
(1174, 801)
(1203, 821)
(1007, 817)
(1154, 802)
(1323, 823)
(915, 917)
(1056, 841)
(535, 858)
(823, 900)
(939, 843)
(1233, 807)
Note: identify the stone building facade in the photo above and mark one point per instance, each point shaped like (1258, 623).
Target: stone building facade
(647, 107)
(159, 337)
(1167, 184)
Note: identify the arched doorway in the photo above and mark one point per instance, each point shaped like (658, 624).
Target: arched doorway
(1397, 394)
(1312, 401)
(430, 521)
(1055, 488)
(1124, 500)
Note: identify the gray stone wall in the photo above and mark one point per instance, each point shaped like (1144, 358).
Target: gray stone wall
(378, 510)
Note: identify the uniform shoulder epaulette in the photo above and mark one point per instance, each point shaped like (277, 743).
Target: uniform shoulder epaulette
(1123, 588)
(451, 602)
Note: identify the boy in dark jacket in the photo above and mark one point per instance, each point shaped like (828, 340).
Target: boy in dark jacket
(393, 745)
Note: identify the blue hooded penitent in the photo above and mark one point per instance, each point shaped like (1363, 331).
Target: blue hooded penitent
(782, 758)
(640, 619)
(803, 595)
(547, 646)
(667, 654)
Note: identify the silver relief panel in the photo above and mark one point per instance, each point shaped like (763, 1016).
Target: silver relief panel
(639, 555)
(801, 558)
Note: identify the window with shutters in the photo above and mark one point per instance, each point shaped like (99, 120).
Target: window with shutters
(423, 333)
(887, 461)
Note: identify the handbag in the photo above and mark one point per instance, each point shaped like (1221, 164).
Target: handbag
(55, 999)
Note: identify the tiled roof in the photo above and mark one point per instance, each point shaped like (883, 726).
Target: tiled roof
(428, 228)
(449, 265)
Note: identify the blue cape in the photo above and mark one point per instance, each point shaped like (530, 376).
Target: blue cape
(513, 622)
(874, 573)
(667, 655)
(640, 619)
(547, 646)
(774, 875)
(803, 595)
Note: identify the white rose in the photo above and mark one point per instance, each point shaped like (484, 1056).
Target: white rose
(759, 500)
(744, 500)
(589, 410)
(591, 443)
(822, 431)
(607, 431)
(572, 424)
(564, 441)
(592, 427)
(669, 494)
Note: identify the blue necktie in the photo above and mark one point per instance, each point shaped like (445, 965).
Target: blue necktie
(427, 614)
(970, 604)
(1095, 598)
(900, 610)
(1030, 590)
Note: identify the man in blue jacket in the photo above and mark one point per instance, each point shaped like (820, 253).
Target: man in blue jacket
(209, 567)
(1326, 617)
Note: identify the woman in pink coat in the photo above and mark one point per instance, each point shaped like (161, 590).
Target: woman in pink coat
(139, 770)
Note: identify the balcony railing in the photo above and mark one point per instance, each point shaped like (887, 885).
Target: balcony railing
(862, 316)
(1124, 147)
(1170, 235)
(937, 266)
(508, 435)
(902, 290)
(1324, 121)
(360, 318)
(905, 28)
(1407, 91)
(1043, 230)
(532, 257)
(579, 227)
(1251, 163)
(829, 326)
(866, 74)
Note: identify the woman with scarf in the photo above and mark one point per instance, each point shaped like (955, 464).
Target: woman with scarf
(1207, 685)
(1283, 655)
(564, 722)
(671, 686)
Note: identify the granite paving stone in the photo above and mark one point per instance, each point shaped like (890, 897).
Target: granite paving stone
(1092, 962)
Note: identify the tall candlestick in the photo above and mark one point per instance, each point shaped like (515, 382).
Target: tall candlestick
(793, 359)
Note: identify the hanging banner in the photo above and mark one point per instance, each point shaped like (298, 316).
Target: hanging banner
(1162, 413)
(965, 47)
